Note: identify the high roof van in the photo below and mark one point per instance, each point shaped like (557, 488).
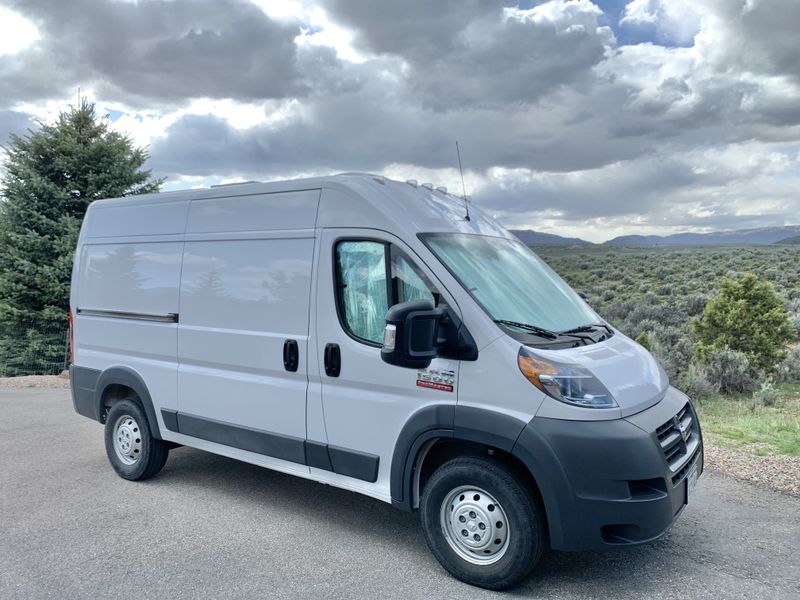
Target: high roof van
(385, 338)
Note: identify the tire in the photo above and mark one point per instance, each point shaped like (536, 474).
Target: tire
(481, 523)
(132, 450)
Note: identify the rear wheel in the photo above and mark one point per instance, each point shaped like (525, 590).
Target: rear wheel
(132, 450)
(481, 522)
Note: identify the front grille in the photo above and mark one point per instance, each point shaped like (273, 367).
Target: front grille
(680, 475)
(679, 438)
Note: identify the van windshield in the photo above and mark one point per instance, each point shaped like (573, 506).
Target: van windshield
(510, 282)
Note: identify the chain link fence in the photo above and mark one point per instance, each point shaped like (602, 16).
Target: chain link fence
(34, 349)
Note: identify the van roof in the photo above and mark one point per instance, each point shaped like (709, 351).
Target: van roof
(359, 200)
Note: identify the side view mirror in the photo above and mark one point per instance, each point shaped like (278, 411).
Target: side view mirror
(583, 295)
(411, 335)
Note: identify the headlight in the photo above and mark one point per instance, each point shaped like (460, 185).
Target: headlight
(568, 383)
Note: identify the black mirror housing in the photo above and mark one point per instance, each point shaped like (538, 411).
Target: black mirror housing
(411, 335)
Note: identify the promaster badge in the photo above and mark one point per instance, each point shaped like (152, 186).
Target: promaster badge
(437, 379)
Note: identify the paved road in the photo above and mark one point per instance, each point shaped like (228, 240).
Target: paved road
(211, 527)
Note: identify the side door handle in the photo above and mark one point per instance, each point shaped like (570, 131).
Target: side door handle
(291, 355)
(333, 360)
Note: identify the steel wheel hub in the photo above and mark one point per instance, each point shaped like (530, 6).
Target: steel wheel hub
(475, 525)
(127, 439)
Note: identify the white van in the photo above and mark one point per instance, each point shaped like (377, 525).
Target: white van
(369, 334)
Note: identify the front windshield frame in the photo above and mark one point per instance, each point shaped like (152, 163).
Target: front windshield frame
(589, 317)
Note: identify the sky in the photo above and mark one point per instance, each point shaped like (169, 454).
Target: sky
(580, 118)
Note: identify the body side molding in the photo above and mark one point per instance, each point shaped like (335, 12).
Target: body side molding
(342, 461)
(119, 314)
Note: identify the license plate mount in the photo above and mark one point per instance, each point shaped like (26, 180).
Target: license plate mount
(691, 483)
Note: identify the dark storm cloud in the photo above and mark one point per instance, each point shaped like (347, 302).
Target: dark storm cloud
(13, 122)
(379, 125)
(163, 50)
(760, 37)
(605, 193)
(550, 112)
(472, 53)
(415, 29)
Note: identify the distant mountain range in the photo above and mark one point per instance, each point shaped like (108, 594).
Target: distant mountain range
(764, 235)
(538, 238)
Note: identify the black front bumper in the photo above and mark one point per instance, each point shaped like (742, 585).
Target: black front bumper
(614, 483)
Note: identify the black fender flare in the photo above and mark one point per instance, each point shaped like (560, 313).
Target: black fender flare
(129, 378)
(490, 428)
(466, 423)
(431, 422)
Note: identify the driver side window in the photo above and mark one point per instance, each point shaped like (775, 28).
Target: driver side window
(371, 276)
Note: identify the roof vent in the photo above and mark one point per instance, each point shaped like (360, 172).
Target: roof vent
(442, 189)
(412, 182)
(428, 186)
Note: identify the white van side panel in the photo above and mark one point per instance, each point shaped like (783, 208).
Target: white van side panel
(254, 212)
(137, 278)
(240, 301)
(140, 279)
(119, 218)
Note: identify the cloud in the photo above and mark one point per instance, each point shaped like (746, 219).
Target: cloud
(478, 54)
(753, 36)
(560, 125)
(14, 122)
(161, 50)
(673, 22)
(735, 186)
(16, 32)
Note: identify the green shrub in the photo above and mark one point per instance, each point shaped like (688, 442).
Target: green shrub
(767, 395)
(729, 371)
(749, 317)
(694, 383)
(789, 370)
(644, 339)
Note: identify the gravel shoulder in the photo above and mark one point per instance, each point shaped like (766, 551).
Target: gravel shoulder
(36, 381)
(777, 471)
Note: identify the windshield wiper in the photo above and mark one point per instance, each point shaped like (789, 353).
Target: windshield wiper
(588, 327)
(540, 331)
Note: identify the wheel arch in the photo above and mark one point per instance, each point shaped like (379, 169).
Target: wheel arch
(438, 433)
(112, 385)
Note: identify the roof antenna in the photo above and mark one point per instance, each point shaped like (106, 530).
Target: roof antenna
(463, 186)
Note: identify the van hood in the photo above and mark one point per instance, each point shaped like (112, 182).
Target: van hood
(628, 371)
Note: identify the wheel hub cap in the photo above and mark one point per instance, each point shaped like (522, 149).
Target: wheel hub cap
(475, 525)
(127, 440)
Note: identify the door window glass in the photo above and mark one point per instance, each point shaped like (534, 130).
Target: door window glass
(363, 290)
(408, 281)
(365, 294)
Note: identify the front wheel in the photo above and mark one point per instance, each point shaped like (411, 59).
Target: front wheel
(132, 450)
(482, 523)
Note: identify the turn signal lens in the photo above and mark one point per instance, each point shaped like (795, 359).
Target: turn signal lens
(568, 383)
(389, 337)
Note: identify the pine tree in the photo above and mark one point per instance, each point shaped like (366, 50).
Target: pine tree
(51, 176)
